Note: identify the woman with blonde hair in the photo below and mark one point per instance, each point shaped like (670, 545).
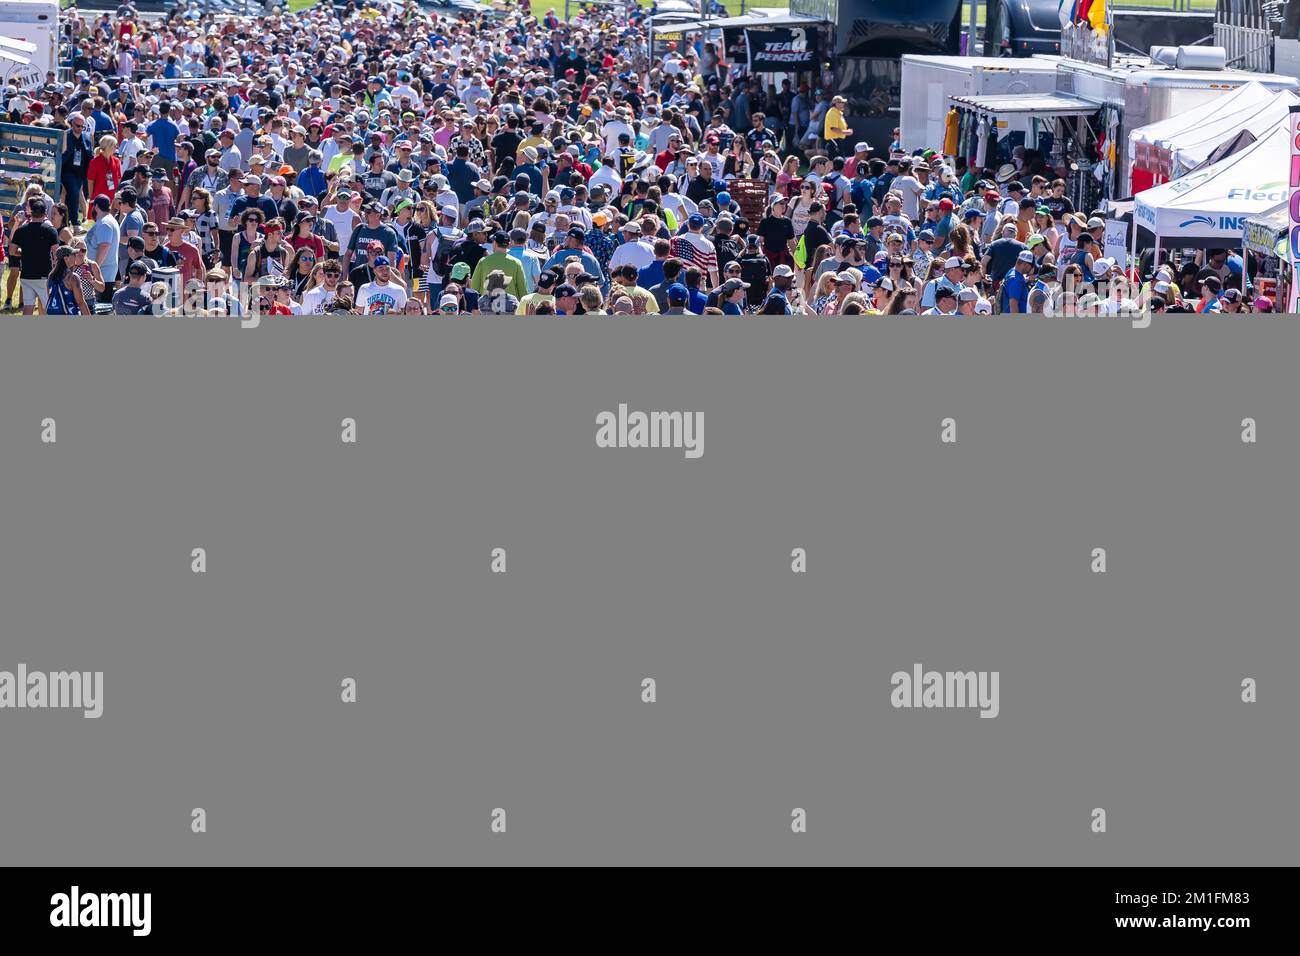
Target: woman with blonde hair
(822, 292)
(785, 179)
(85, 271)
(104, 175)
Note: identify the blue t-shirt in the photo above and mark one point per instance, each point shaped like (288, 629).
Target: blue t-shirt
(164, 132)
(732, 308)
(697, 301)
(1015, 287)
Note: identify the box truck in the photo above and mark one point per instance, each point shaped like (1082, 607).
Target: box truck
(34, 22)
(929, 83)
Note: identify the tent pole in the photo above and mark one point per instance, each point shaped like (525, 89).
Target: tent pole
(1133, 245)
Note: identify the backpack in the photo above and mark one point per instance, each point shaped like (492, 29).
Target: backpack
(833, 200)
(440, 262)
(860, 191)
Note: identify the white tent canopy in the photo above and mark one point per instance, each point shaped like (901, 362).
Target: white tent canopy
(1244, 99)
(1195, 146)
(1209, 207)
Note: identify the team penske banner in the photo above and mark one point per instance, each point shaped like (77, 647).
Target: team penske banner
(781, 49)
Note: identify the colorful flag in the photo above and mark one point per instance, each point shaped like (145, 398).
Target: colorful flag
(1097, 15)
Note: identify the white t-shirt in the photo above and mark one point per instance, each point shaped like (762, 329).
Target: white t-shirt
(316, 301)
(910, 189)
(607, 176)
(612, 130)
(385, 298)
(639, 254)
(342, 222)
(578, 214)
(129, 150)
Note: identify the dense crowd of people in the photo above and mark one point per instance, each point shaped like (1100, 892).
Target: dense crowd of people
(392, 158)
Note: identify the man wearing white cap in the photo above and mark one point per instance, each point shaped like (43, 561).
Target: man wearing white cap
(634, 249)
(859, 156)
(1014, 299)
(954, 271)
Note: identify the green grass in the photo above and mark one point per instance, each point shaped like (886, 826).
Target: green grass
(296, 5)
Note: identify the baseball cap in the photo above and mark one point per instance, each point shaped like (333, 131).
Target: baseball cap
(1096, 223)
(1025, 256)
(1034, 240)
(968, 295)
(695, 219)
(953, 262)
(733, 285)
(677, 292)
(460, 271)
(381, 261)
(782, 271)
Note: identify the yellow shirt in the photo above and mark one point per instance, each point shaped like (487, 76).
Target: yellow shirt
(533, 141)
(835, 127)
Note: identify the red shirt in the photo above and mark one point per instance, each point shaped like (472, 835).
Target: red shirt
(314, 243)
(190, 261)
(104, 177)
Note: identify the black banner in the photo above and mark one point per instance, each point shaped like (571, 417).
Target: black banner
(1231, 909)
(782, 49)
